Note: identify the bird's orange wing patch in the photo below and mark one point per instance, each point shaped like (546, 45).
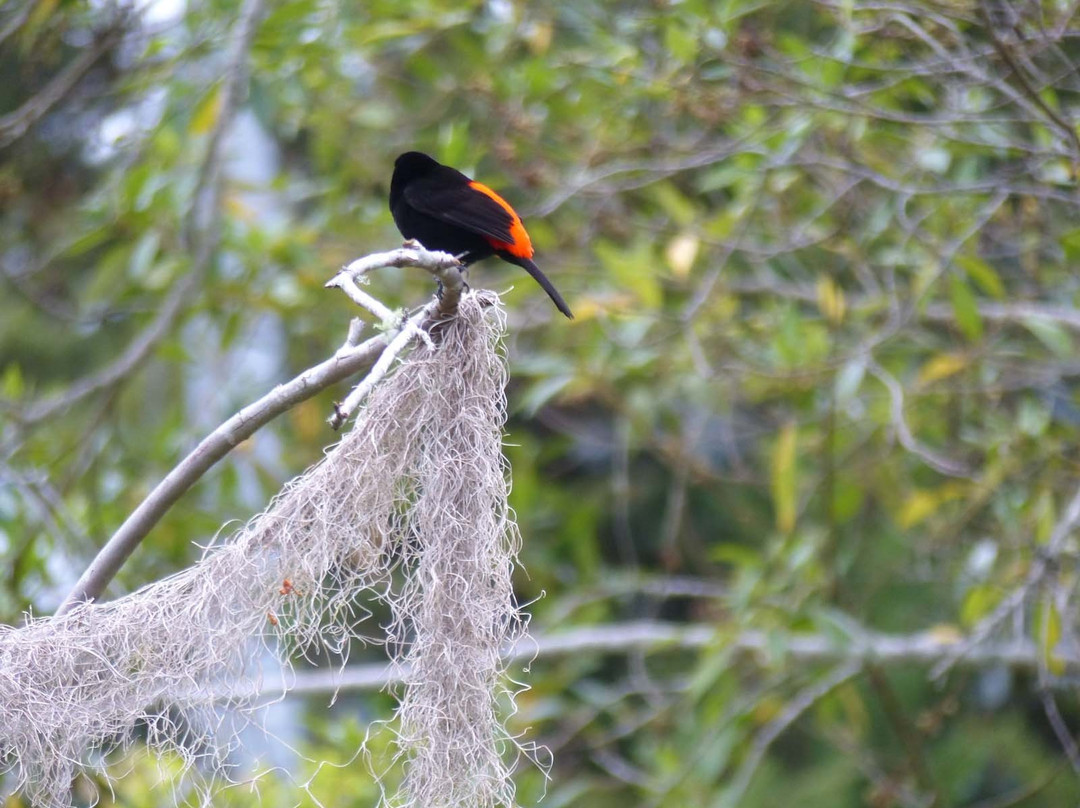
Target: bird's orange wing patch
(521, 246)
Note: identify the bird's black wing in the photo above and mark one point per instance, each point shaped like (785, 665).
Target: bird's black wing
(463, 206)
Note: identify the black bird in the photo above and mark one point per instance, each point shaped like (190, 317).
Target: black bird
(445, 210)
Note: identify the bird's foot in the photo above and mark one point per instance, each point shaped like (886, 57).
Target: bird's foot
(465, 288)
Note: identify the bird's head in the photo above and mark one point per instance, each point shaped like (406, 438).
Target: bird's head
(414, 164)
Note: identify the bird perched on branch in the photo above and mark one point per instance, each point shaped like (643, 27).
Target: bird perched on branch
(445, 210)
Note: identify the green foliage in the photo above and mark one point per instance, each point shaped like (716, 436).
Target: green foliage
(751, 206)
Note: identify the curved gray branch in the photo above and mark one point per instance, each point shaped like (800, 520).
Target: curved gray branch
(349, 360)
(210, 450)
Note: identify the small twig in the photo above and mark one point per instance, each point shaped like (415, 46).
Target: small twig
(802, 702)
(17, 20)
(356, 329)
(363, 299)
(1049, 703)
(442, 265)
(400, 341)
(1045, 560)
(17, 123)
(1066, 127)
(935, 460)
(908, 735)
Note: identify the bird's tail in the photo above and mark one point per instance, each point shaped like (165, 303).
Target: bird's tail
(545, 284)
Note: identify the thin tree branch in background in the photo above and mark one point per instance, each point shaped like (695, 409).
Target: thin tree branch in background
(619, 768)
(921, 648)
(908, 735)
(1009, 313)
(1049, 702)
(655, 168)
(1045, 561)
(17, 123)
(1020, 795)
(936, 460)
(201, 226)
(133, 355)
(1061, 729)
(18, 19)
(1068, 129)
(803, 701)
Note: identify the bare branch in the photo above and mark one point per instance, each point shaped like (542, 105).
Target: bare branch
(442, 265)
(17, 20)
(1008, 313)
(1045, 561)
(347, 361)
(803, 701)
(202, 458)
(922, 648)
(18, 122)
(411, 254)
(936, 460)
(1067, 129)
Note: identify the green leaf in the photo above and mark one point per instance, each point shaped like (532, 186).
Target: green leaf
(978, 602)
(941, 367)
(784, 478)
(681, 41)
(1051, 334)
(87, 241)
(965, 309)
(678, 207)
(542, 392)
(142, 257)
(634, 270)
(1048, 626)
(207, 111)
(11, 381)
(983, 275)
(1033, 417)
(1070, 242)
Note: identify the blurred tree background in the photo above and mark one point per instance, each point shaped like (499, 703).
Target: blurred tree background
(816, 419)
